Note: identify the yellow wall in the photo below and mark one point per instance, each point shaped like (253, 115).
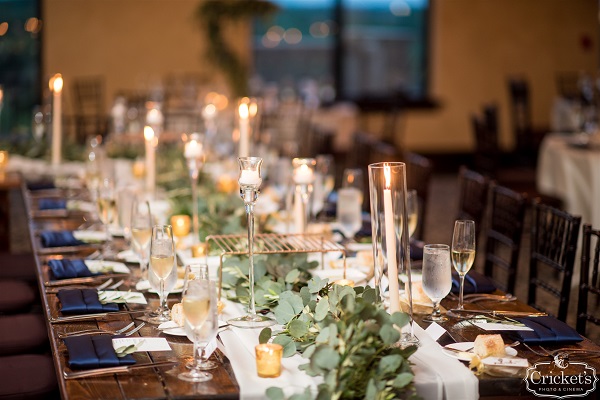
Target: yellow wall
(475, 45)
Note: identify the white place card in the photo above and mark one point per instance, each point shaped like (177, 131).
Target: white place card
(506, 362)
(90, 236)
(497, 326)
(118, 296)
(115, 267)
(143, 343)
(80, 205)
(128, 256)
(435, 331)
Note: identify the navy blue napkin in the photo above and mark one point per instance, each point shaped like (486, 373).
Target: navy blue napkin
(59, 239)
(474, 283)
(546, 330)
(52, 204)
(41, 185)
(83, 301)
(94, 351)
(63, 269)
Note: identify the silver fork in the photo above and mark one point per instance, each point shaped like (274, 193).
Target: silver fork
(543, 352)
(101, 331)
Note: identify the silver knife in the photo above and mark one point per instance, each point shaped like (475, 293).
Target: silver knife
(73, 318)
(500, 313)
(114, 370)
(76, 281)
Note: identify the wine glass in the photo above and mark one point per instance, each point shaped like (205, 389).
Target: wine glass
(463, 252)
(437, 277)
(195, 272)
(141, 229)
(353, 178)
(105, 200)
(324, 182)
(162, 266)
(412, 210)
(201, 323)
(349, 215)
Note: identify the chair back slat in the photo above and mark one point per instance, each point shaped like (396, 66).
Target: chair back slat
(472, 199)
(554, 235)
(588, 279)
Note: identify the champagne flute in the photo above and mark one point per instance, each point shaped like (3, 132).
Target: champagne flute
(105, 200)
(141, 230)
(437, 277)
(324, 182)
(162, 266)
(412, 210)
(463, 252)
(201, 323)
(349, 216)
(196, 272)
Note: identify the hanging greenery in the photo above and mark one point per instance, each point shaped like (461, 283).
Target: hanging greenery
(211, 15)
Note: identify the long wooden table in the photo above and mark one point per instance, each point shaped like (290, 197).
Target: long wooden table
(160, 383)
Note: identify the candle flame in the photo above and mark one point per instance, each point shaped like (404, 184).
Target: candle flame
(243, 111)
(388, 176)
(56, 83)
(253, 109)
(148, 133)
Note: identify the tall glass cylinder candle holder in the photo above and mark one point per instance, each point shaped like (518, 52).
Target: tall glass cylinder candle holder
(391, 252)
(194, 157)
(250, 181)
(303, 176)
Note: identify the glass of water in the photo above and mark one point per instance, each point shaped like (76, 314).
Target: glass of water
(437, 277)
(349, 215)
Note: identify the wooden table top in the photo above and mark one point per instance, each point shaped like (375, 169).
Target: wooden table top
(160, 383)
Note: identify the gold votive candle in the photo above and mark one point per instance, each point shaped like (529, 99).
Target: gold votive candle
(181, 225)
(199, 250)
(138, 169)
(344, 282)
(268, 360)
(3, 159)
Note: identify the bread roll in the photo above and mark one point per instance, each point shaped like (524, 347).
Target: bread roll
(489, 346)
(177, 314)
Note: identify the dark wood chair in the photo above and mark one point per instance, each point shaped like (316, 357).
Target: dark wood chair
(554, 235)
(588, 280)
(90, 116)
(503, 236)
(419, 170)
(485, 132)
(473, 194)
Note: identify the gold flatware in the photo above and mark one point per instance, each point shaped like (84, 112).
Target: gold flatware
(73, 318)
(500, 313)
(78, 281)
(115, 370)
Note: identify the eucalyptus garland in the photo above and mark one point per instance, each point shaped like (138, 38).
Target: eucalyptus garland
(211, 15)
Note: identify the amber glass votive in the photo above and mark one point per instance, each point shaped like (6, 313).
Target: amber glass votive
(345, 282)
(199, 250)
(138, 169)
(181, 225)
(3, 159)
(268, 360)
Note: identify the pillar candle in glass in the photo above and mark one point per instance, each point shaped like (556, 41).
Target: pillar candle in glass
(150, 159)
(56, 85)
(268, 360)
(303, 176)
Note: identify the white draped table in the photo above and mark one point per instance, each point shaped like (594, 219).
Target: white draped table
(569, 169)
(437, 375)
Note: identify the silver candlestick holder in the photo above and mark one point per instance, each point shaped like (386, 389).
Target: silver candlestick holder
(194, 157)
(303, 177)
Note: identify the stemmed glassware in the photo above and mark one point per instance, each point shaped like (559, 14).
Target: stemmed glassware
(349, 214)
(162, 266)
(437, 277)
(250, 181)
(194, 156)
(141, 230)
(463, 253)
(198, 272)
(201, 323)
(105, 200)
(412, 210)
(353, 178)
(324, 182)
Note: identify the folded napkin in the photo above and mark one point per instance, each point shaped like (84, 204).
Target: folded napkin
(546, 330)
(474, 283)
(59, 239)
(94, 351)
(63, 269)
(83, 301)
(52, 204)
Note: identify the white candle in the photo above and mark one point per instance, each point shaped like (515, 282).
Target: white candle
(244, 148)
(390, 241)
(193, 149)
(299, 217)
(56, 85)
(150, 159)
(303, 175)
(250, 177)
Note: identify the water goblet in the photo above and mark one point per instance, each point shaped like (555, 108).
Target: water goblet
(200, 323)
(140, 227)
(437, 277)
(105, 200)
(353, 178)
(349, 216)
(463, 253)
(162, 266)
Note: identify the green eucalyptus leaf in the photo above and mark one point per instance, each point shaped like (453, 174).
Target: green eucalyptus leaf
(400, 318)
(265, 335)
(325, 357)
(323, 336)
(305, 295)
(275, 393)
(402, 380)
(371, 392)
(369, 295)
(289, 347)
(297, 329)
(322, 309)
(389, 334)
(284, 312)
(316, 284)
(292, 276)
(389, 364)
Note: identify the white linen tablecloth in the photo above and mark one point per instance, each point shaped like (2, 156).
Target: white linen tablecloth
(437, 375)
